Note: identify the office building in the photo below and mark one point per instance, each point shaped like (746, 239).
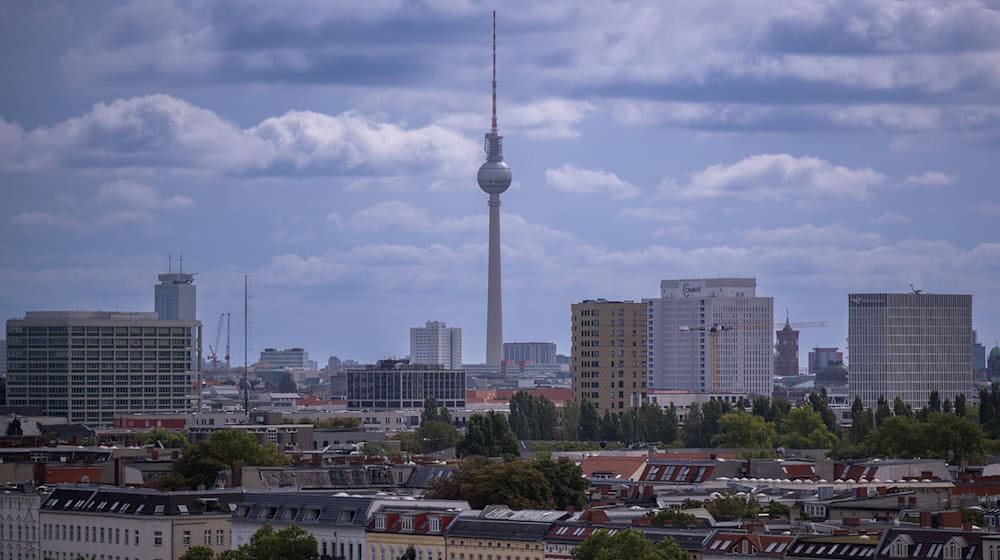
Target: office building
(398, 384)
(820, 357)
(92, 365)
(542, 353)
(3, 357)
(175, 297)
(292, 358)
(908, 345)
(978, 354)
(609, 353)
(711, 335)
(786, 361)
(436, 344)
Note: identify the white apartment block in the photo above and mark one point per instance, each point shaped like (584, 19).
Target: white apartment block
(436, 344)
(292, 358)
(19, 529)
(534, 352)
(908, 345)
(711, 335)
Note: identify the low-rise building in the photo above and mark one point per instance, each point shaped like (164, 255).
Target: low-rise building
(497, 533)
(395, 526)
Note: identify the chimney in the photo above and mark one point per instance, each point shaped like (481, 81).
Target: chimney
(901, 501)
(913, 500)
(851, 521)
(881, 490)
(861, 492)
(967, 526)
(641, 521)
(925, 520)
(950, 519)
(926, 474)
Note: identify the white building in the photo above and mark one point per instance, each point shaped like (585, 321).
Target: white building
(534, 352)
(436, 344)
(19, 529)
(908, 345)
(736, 356)
(176, 297)
(292, 358)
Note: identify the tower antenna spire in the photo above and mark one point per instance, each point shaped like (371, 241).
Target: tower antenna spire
(493, 123)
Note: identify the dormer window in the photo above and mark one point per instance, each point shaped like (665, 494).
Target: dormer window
(407, 522)
(435, 524)
(380, 521)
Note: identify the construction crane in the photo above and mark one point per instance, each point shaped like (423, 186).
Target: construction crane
(213, 354)
(713, 350)
(802, 325)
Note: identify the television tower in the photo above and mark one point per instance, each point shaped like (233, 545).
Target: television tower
(494, 178)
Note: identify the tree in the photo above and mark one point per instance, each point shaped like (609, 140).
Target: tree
(167, 438)
(711, 412)
(569, 487)
(946, 406)
(821, 404)
(694, 428)
(900, 408)
(882, 410)
(409, 554)
(862, 421)
(590, 422)
(569, 428)
(733, 507)
(200, 465)
(488, 435)
(435, 435)
(290, 543)
(532, 417)
(934, 402)
(198, 552)
(944, 436)
(803, 428)
(742, 430)
(600, 545)
(672, 517)
(777, 510)
(960, 408)
(518, 484)
(610, 426)
(430, 412)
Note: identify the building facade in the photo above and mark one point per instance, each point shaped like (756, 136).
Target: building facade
(908, 345)
(92, 365)
(19, 529)
(542, 353)
(609, 353)
(292, 358)
(711, 335)
(176, 297)
(978, 354)
(820, 357)
(786, 359)
(398, 385)
(394, 527)
(436, 344)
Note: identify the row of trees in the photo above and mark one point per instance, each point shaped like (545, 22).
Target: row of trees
(535, 484)
(201, 463)
(290, 543)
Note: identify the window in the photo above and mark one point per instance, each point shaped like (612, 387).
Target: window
(380, 521)
(407, 522)
(208, 536)
(220, 536)
(435, 525)
(186, 538)
(157, 538)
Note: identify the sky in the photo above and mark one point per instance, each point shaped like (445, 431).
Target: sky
(329, 150)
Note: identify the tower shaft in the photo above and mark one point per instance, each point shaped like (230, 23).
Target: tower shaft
(494, 306)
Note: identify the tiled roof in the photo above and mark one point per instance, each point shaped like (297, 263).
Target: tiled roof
(677, 471)
(617, 467)
(930, 544)
(749, 544)
(304, 508)
(127, 501)
(845, 547)
(474, 527)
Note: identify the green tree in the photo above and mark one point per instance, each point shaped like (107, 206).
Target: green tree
(488, 435)
(435, 435)
(882, 410)
(167, 438)
(200, 465)
(862, 421)
(198, 552)
(934, 402)
(518, 484)
(947, 407)
(569, 487)
(777, 510)
(733, 507)
(590, 421)
(694, 428)
(290, 543)
(960, 408)
(600, 545)
(672, 517)
(900, 408)
(712, 411)
(821, 404)
(610, 426)
(569, 425)
(742, 430)
(409, 554)
(430, 411)
(803, 428)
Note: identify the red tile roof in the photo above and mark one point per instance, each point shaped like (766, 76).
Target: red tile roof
(623, 468)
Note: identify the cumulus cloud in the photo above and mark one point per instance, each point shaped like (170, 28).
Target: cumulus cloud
(140, 196)
(807, 235)
(892, 218)
(777, 177)
(570, 178)
(43, 219)
(932, 179)
(652, 214)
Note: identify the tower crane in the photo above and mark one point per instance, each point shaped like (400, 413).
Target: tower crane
(213, 354)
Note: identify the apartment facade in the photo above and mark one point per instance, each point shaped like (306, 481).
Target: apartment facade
(92, 365)
(542, 353)
(400, 385)
(394, 527)
(292, 358)
(436, 344)
(608, 358)
(711, 335)
(19, 529)
(908, 345)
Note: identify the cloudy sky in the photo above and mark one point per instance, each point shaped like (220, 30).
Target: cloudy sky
(329, 149)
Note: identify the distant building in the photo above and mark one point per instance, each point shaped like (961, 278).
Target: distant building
(436, 344)
(727, 342)
(176, 297)
(978, 354)
(993, 362)
(90, 366)
(292, 358)
(822, 357)
(609, 353)
(534, 352)
(3, 357)
(398, 384)
(786, 362)
(908, 345)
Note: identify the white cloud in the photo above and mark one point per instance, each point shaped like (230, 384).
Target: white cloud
(777, 177)
(811, 235)
(126, 216)
(570, 178)
(932, 179)
(892, 218)
(656, 215)
(137, 195)
(43, 219)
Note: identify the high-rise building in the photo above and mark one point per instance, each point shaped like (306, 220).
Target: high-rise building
(978, 354)
(542, 353)
(494, 178)
(608, 358)
(908, 345)
(400, 385)
(292, 358)
(176, 297)
(821, 357)
(93, 365)
(712, 335)
(3, 357)
(436, 344)
(786, 362)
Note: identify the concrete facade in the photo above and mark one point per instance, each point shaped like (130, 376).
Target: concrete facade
(542, 353)
(436, 344)
(609, 353)
(397, 384)
(175, 297)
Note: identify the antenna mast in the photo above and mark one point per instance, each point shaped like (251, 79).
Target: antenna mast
(246, 352)
(493, 123)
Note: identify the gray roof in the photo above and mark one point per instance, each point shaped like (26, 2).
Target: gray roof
(305, 508)
(140, 501)
(496, 529)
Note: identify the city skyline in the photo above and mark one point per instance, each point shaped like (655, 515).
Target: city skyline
(331, 152)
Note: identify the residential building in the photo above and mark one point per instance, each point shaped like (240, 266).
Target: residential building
(711, 335)
(908, 345)
(978, 354)
(19, 531)
(176, 297)
(90, 366)
(394, 527)
(292, 358)
(609, 353)
(819, 358)
(786, 362)
(534, 352)
(133, 524)
(398, 384)
(725, 545)
(436, 344)
(518, 534)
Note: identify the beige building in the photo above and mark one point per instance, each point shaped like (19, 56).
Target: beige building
(110, 523)
(497, 533)
(609, 356)
(394, 527)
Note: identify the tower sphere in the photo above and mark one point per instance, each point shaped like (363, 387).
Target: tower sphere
(494, 177)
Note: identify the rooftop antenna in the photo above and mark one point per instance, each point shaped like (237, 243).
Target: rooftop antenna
(493, 123)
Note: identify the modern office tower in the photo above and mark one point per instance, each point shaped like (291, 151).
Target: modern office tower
(820, 357)
(712, 335)
(608, 359)
(908, 345)
(292, 358)
(175, 297)
(542, 353)
(399, 385)
(93, 365)
(3, 357)
(436, 344)
(786, 362)
(978, 354)
(494, 178)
